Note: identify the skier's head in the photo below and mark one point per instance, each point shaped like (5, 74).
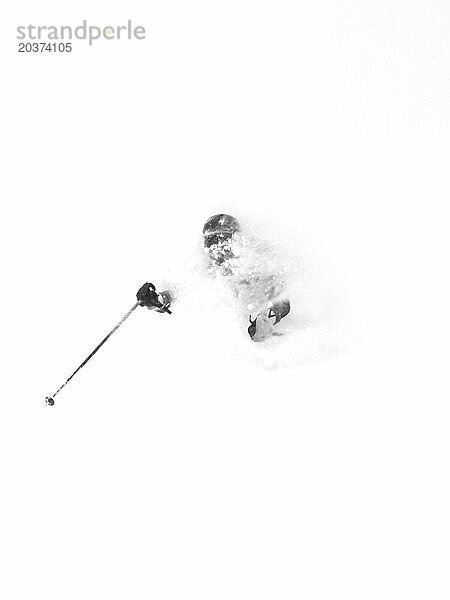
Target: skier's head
(217, 234)
(220, 225)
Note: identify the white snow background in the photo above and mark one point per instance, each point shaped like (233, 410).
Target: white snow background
(184, 461)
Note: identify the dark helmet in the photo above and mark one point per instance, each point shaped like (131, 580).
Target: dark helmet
(221, 224)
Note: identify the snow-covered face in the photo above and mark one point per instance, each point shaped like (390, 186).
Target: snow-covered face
(218, 246)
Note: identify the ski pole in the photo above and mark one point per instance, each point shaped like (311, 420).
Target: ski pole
(50, 399)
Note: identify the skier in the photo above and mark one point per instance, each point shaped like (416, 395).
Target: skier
(249, 265)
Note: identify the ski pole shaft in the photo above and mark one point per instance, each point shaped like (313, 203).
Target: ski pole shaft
(50, 399)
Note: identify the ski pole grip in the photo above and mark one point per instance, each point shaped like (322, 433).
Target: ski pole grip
(147, 296)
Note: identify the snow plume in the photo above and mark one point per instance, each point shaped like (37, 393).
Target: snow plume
(220, 287)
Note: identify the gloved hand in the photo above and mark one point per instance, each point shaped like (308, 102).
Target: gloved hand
(261, 328)
(165, 298)
(148, 296)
